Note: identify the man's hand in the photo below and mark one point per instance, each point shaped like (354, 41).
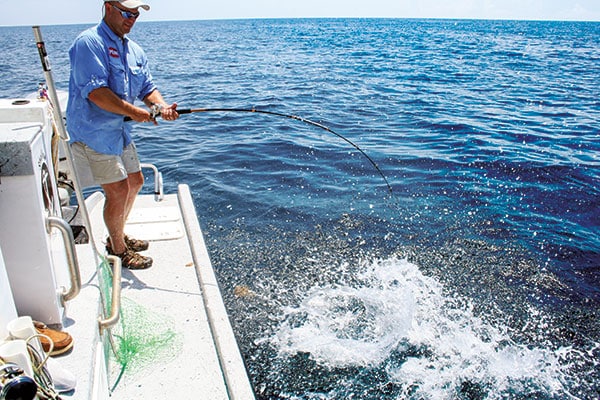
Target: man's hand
(141, 115)
(156, 102)
(169, 113)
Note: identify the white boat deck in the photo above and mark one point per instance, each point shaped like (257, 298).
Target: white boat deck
(173, 317)
(178, 295)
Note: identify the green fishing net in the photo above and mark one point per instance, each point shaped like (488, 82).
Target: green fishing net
(142, 338)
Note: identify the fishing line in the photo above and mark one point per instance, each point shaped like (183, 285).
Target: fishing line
(295, 117)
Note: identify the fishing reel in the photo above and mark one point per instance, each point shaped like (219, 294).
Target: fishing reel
(14, 384)
(155, 110)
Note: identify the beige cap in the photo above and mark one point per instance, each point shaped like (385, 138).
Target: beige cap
(131, 4)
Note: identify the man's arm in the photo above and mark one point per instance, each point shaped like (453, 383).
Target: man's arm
(107, 100)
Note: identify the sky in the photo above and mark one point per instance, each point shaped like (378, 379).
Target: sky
(45, 12)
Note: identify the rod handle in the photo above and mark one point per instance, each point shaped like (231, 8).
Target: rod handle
(179, 111)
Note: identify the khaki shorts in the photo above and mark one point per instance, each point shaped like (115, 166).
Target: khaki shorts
(100, 169)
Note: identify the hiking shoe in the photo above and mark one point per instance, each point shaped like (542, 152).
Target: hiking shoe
(62, 341)
(132, 260)
(131, 243)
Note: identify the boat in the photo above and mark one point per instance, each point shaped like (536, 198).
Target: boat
(160, 333)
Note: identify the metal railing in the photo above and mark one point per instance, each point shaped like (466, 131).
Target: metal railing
(158, 182)
(75, 276)
(113, 318)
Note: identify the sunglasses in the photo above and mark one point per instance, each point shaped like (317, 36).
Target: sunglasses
(127, 14)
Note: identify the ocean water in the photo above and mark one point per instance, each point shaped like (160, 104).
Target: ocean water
(477, 277)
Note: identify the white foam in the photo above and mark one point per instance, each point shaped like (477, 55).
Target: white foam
(395, 307)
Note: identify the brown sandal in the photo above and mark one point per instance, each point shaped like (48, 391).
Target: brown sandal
(132, 260)
(131, 243)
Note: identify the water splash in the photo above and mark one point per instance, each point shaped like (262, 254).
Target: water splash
(430, 344)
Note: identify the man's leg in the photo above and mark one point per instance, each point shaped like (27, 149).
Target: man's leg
(115, 213)
(120, 197)
(135, 181)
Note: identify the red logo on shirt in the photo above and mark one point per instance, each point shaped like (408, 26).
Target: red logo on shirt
(114, 53)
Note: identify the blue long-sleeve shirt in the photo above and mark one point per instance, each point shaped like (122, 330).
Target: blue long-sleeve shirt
(100, 58)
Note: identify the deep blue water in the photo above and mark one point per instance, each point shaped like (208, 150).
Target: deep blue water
(479, 277)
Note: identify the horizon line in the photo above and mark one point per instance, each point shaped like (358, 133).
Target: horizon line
(322, 18)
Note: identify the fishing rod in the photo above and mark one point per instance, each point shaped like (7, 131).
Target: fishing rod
(156, 112)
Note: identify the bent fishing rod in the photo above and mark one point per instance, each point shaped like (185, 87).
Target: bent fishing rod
(156, 111)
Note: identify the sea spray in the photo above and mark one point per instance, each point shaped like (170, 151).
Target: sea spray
(429, 343)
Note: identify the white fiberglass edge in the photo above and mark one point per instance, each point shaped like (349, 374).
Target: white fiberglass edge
(232, 364)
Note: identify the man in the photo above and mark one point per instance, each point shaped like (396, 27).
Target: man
(108, 72)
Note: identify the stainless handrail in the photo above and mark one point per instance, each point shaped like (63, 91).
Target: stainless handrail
(115, 298)
(69, 241)
(158, 182)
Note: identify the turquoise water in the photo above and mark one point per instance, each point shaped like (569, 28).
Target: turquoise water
(477, 278)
